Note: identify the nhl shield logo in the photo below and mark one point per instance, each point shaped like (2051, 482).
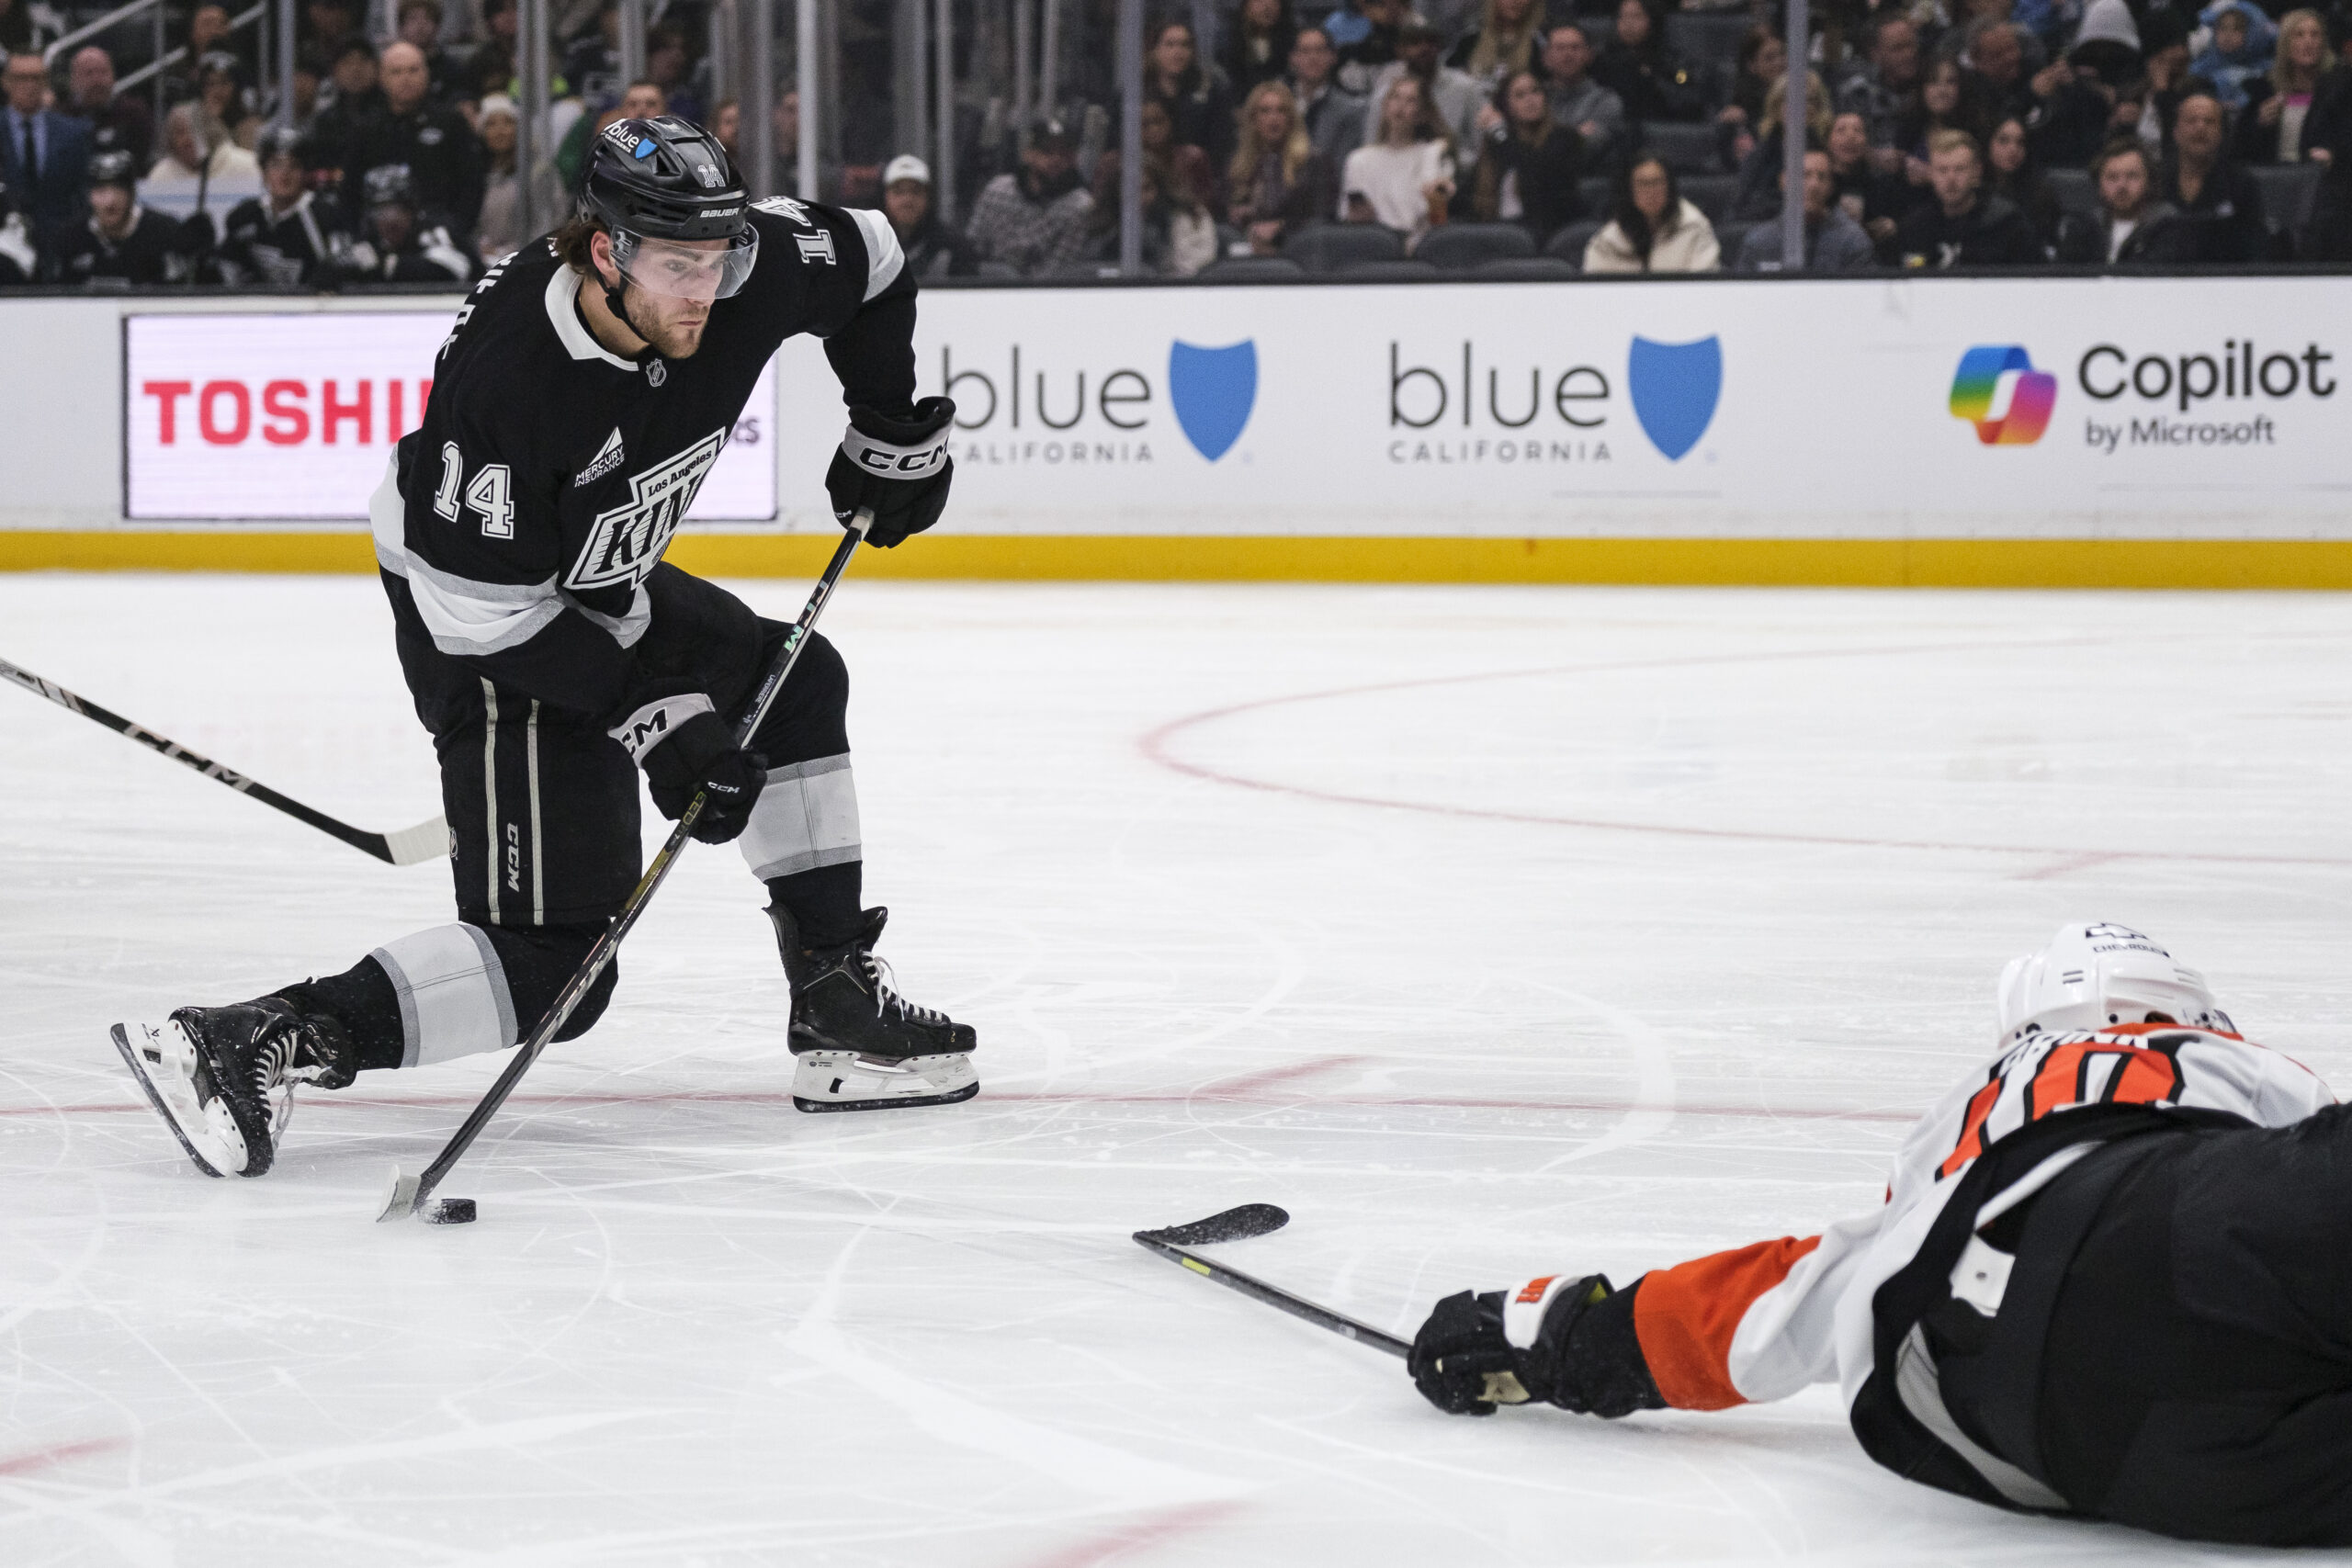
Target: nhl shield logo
(1213, 391)
(1675, 386)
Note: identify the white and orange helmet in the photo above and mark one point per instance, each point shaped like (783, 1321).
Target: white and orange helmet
(2095, 975)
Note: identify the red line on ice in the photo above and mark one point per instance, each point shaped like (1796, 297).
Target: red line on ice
(41, 1459)
(1155, 746)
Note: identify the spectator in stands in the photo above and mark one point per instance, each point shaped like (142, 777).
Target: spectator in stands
(2107, 47)
(1886, 91)
(121, 243)
(1403, 179)
(1199, 100)
(1178, 235)
(1186, 181)
(2163, 36)
(439, 149)
(1454, 96)
(282, 238)
(643, 100)
(2270, 127)
(499, 230)
(1034, 221)
(2217, 199)
(420, 27)
(117, 123)
(492, 68)
(15, 27)
(46, 159)
(1762, 63)
(668, 61)
(1366, 39)
(328, 25)
(1997, 56)
(1833, 242)
(197, 174)
(2242, 43)
(592, 65)
(2012, 174)
(1759, 172)
(19, 253)
(1278, 182)
(1529, 165)
(1334, 116)
(1874, 199)
(1645, 72)
(1963, 227)
(2066, 114)
(1949, 100)
(1257, 49)
(340, 129)
(932, 250)
(1504, 41)
(1578, 102)
(727, 127)
(207, 31)
(2327, 142)
(397, 243)
(2131, 226)
(1651, 228)
(228, 111)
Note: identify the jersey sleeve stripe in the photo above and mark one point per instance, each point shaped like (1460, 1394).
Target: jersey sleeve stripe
(884, 259)
(466, 617)
(1685, 1317)
(625, 629)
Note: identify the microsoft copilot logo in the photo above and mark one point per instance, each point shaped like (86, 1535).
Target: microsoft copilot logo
(1997, 389)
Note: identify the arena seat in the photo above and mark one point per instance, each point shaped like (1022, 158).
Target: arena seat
(1569, 243)
(1457, 247)
(1332, 247)
(1687, 148)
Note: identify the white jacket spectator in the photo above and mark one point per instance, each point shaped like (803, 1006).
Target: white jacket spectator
(1652, 228)
(223, 176)
(1399, 182)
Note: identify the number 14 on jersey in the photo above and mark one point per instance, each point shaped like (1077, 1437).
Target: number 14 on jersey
(491, 493)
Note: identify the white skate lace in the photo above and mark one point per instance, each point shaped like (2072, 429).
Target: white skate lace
(274, 1068)
(878, 970)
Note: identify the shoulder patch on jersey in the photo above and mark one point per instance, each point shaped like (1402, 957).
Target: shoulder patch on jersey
(626, 542)
(785, 207)
(610, 455)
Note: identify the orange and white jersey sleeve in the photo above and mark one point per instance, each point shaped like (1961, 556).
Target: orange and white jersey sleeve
(1762, 1322)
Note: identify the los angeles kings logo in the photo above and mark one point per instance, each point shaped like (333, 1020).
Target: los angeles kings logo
(628, 540)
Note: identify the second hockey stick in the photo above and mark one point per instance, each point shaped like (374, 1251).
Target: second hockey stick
(1176, 1243)
(404, 846)
(410, 1194)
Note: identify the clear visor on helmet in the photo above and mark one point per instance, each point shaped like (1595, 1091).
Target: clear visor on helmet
(687, 269)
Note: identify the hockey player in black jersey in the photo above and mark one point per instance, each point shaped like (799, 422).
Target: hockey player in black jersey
(398, 244)
(120, 242)
(282, 237)
(583, 392)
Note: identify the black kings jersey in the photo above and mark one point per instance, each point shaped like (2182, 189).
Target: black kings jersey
(522, 518)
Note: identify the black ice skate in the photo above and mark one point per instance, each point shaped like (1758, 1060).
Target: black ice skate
(857, 1044)
(223, 1079)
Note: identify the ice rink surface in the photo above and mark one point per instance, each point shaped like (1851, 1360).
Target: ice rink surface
(1491, 932)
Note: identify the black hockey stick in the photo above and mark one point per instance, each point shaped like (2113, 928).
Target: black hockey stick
(406, 846)
(410, 1194)
(1239, 1224)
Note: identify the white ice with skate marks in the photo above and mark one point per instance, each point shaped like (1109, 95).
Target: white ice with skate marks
(1489, 931)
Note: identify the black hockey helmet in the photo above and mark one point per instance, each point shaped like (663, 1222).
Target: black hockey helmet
(390, 184)
(281, 142)
(113, 168)
(666, 180)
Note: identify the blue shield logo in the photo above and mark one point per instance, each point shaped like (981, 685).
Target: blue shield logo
(1675, 386)
(1213, 391)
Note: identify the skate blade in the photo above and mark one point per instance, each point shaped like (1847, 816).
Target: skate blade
(157, 1063)
(844, 1080)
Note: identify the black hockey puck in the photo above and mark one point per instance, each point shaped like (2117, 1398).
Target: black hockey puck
(449, 1212)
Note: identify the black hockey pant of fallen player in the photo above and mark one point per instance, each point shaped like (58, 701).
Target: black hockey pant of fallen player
(2197, 1372)
(546, 839)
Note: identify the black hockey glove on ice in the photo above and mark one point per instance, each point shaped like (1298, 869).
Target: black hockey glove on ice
(898, 466)
(1568, 1340)
(683, 747)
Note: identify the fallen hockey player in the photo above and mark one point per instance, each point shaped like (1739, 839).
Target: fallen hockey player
(583, 394)
(2112, 1277)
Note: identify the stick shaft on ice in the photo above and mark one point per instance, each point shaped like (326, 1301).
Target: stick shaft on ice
(406, 846)
(410, 1193)
(1170, 1244)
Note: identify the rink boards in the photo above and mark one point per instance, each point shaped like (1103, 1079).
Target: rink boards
(2035, 431)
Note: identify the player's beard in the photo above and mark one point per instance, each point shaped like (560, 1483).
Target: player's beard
(672, 340)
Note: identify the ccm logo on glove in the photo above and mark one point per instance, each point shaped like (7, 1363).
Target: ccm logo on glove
(894, 461)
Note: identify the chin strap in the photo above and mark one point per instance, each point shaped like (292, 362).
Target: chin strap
(615, 301)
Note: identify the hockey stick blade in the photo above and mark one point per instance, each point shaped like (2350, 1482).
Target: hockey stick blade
(406, 846)
(1234, 1224)
(401, 1201)
(1239, 1224)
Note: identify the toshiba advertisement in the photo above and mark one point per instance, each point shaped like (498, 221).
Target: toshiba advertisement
(282, 418)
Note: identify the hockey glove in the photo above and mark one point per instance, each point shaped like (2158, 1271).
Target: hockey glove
(898, 466)
(1545, 1341)
(684, 747)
